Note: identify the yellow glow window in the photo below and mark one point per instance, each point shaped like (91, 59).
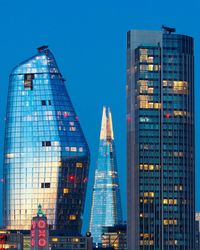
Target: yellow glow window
(65, 190)
(79, 165)
(72, 217)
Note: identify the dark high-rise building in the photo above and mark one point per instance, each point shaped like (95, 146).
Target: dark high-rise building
(106, 201)
(46, 155)
(160, 140)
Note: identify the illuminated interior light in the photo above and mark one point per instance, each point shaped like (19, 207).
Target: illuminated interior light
(79, 165)
(65, 114)
(75, 240)
(65, 190)
(72, 217)
(54, 239)
(85, 179)
(10, 155)
(170, 222)
(73, 149)
(167, 115)
(71, 177)
(148, 194)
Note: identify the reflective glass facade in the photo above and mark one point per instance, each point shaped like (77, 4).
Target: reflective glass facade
(46, 155)
(160, 140)
(106, 201)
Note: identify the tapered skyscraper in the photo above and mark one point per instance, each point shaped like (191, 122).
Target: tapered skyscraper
(106, 201)
(46, 155)
(160, 140)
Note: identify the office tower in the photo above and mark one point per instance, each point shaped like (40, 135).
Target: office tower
(106, 201)
(160, 140)
(46, 155)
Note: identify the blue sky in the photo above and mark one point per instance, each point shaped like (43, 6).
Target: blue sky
(88, 39)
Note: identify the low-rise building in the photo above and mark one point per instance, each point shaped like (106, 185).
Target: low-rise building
(21, 240)
(114, 237)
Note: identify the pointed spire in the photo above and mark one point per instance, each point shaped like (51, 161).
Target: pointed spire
(106, 125)
(110, 132)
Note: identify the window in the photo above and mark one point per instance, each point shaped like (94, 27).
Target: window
(170, 222)
(79, 165)
(43, 103)
(65, 190)
(72, 217)
(73, 149)
(46, 144)
(72, 129)
(28, 81)
(45, 185)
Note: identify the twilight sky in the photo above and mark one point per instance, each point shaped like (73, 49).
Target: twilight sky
(88, 39)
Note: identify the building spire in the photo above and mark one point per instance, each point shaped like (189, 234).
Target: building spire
(106, 200)
(106, 125)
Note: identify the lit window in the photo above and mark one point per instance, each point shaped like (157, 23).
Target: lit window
(150, 59)
(147, 167)
(178, 87)
(72, 217)
(66, 114)
(79, 165)
(80, 149)
(55, 143)
(180, 113)
(150, 67)
(148, 194)
(54, 239)
(11, 155)
(178, 154)
(150, 90)
(143, 58)
(73, 149)
(65, 190)
(170, 201)
(72, 129)
(143, 51)
(75, 239)
(170, 222)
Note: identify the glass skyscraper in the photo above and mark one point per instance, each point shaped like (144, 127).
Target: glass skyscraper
(106, 201)
(160, 140)
(46, 155)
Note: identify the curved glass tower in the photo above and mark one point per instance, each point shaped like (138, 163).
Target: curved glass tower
(46, 155)
(106, 201)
